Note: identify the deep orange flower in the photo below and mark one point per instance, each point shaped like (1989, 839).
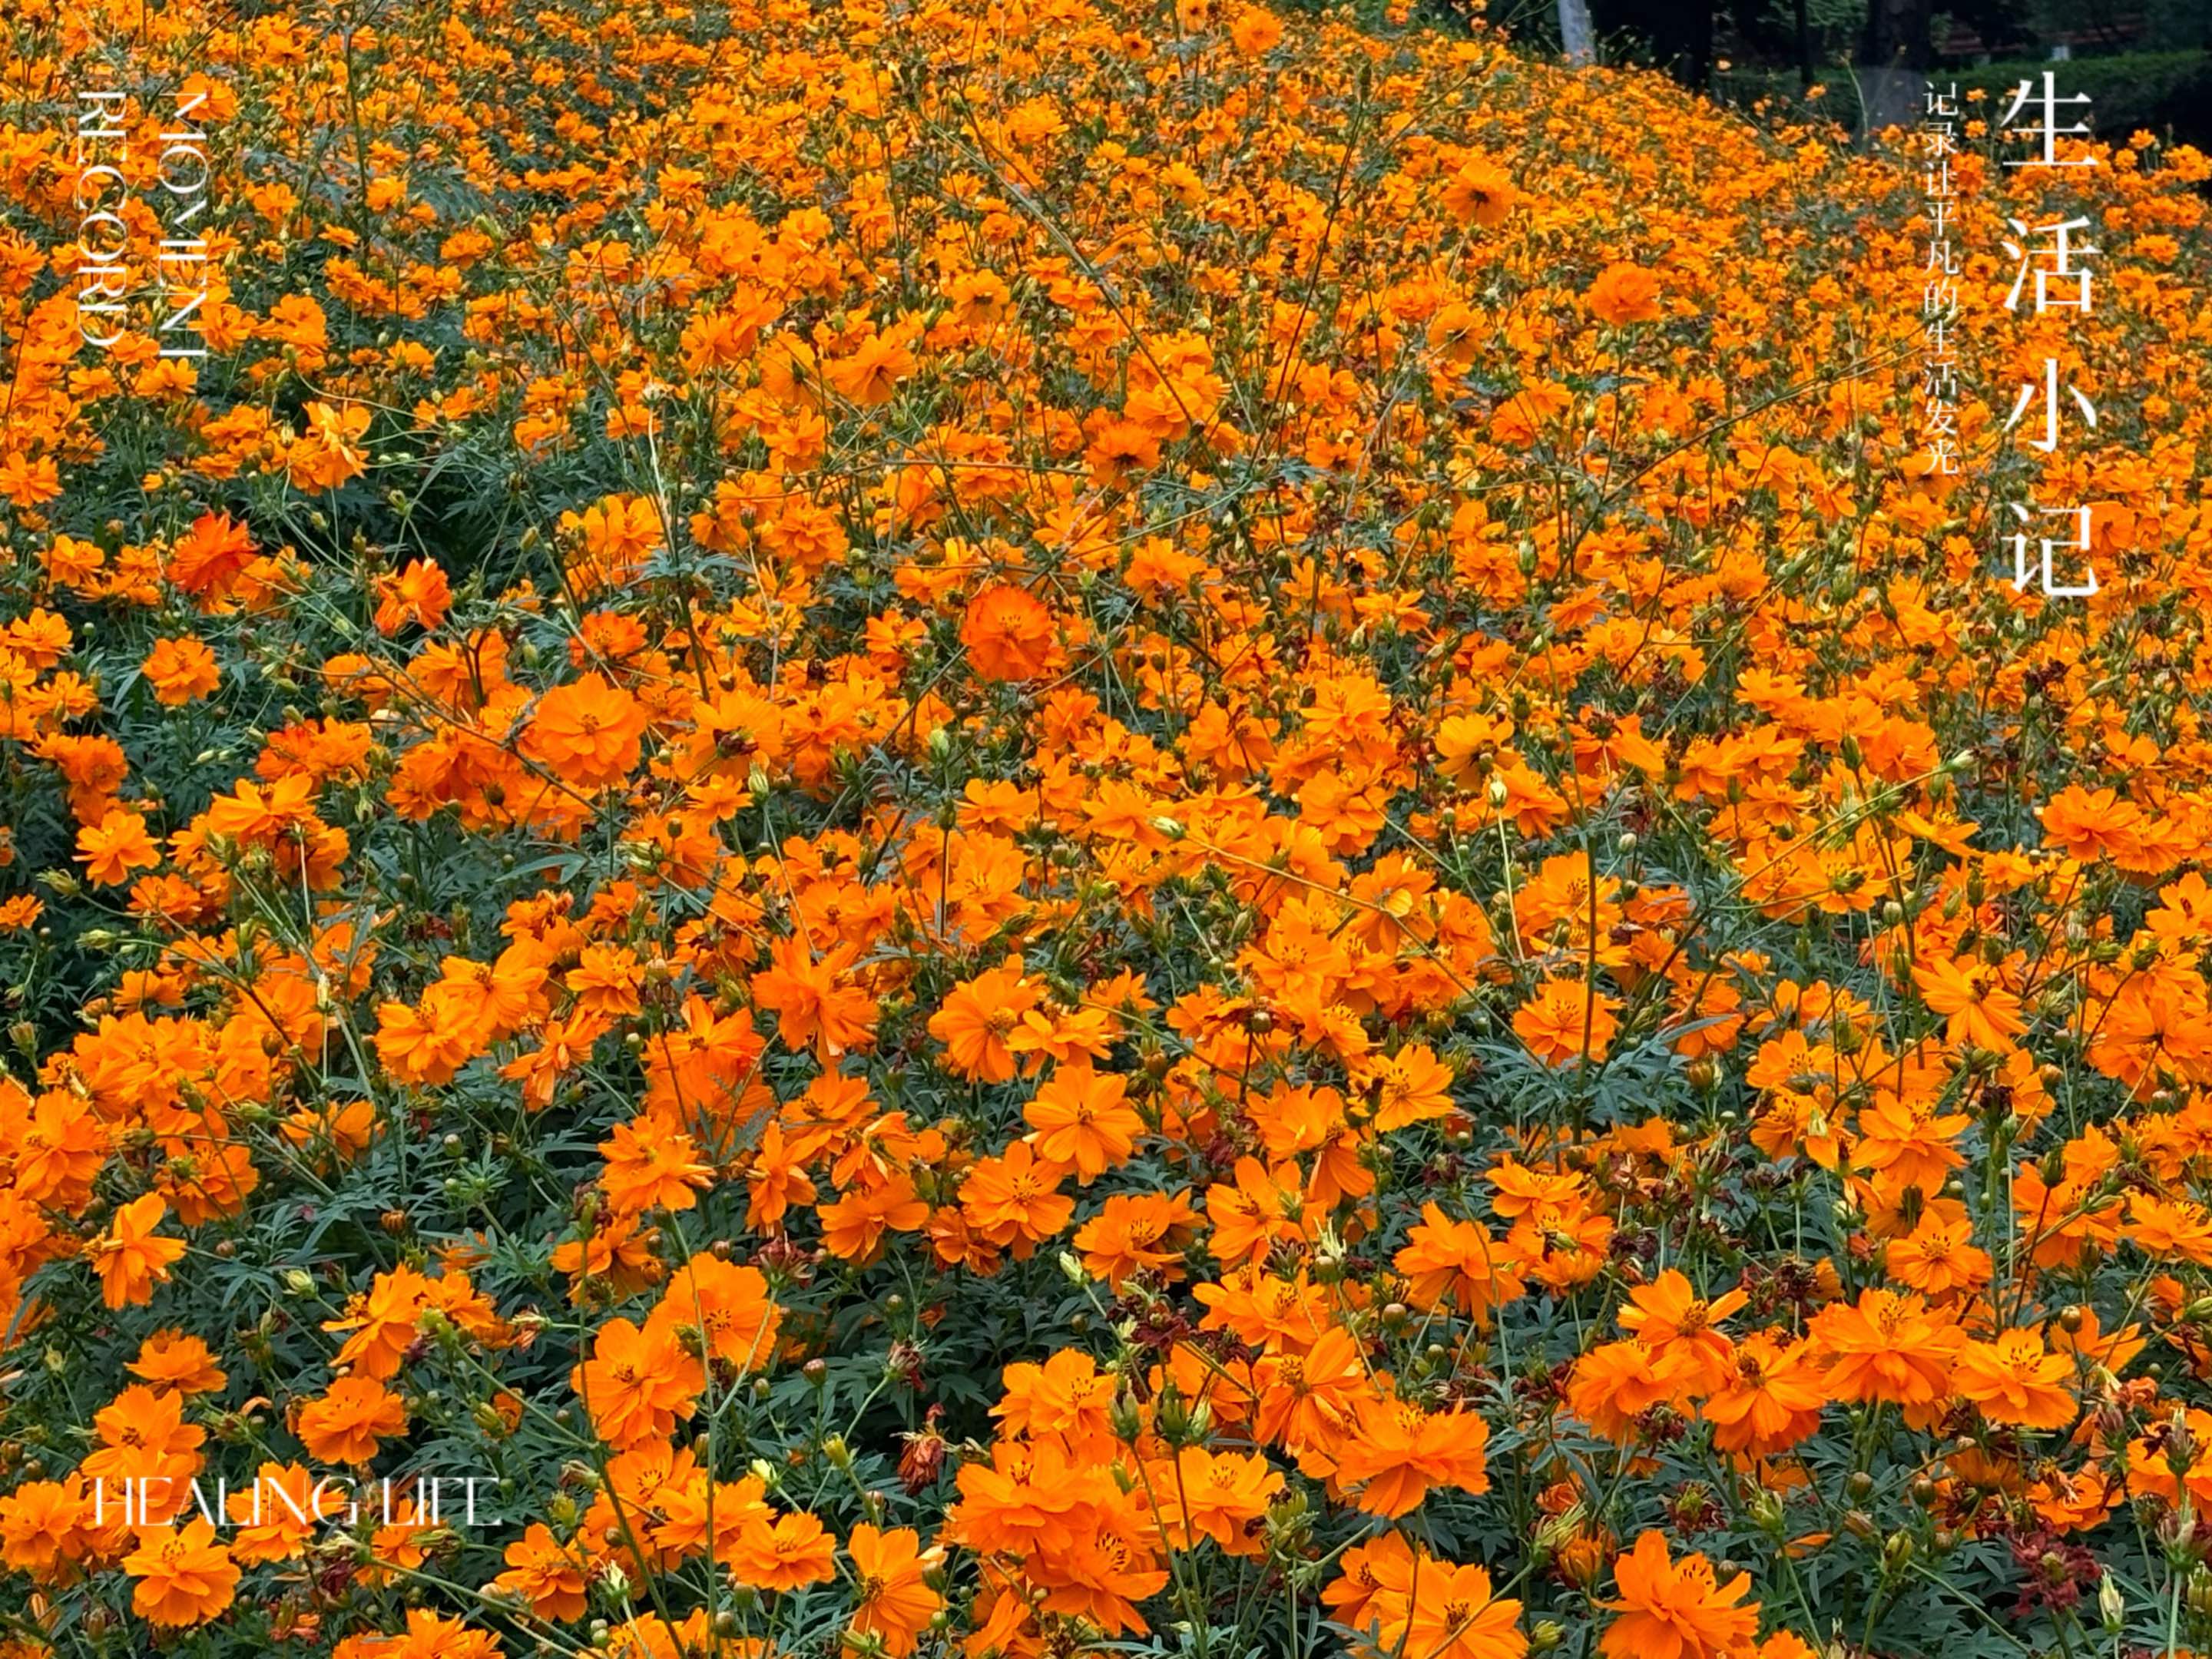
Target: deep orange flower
(892, 1601)
(177, 1360)
(1397, 1452)
(1451, 1613)
(650, 1166)
(1888, 1346)
(728, 1306)
(1566, 1020)
(1266, 1205)
(419, 594)
(813, 1002)
(1938, 1258)
(1678, 1324)
(1770, 1399)
(44, 1527)
(142, 1438)
(854, 1225)
(788, 1553)
(1014, 1200)
(344, 1425)
(1616, 1383)
(1009, 634)
(589, 732)
(1673, 1609)
(1215, 1495)
(546, 1574)
(977, 1017)
(2016, 1380)
(1624, 293)
(181, 670)
(639, 1384)
(131, 1259)
(111, 849)
(1084, 1119)
(1980, 1011)
(1479, 194)
(185, 1576)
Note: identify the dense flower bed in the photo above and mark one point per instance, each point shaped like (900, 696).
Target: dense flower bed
(1026, 829)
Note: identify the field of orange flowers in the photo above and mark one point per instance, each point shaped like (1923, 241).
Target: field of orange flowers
(1021, 830)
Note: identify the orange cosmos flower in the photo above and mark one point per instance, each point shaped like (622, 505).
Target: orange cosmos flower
(589, 732)
(181, 670)
(870, 374)
(430, 1043)
(1980, 1011)
(1009, 634)
(1266, 1205)
(1938, 1258)
(854, 1225)
(1679, 1324)
(1014, 1200)
(2016, 1380)
(639, 1384)
(111, 849)
(1136, 1232)
(1770, 1399)
(1374, 1580)
(208, 558)
(47, 1526)
(651, 1166)
(1566, 1019)
(332, 451)
(1674, 1609)
(144, 1437)
(1083, 1118)
(793, 1552)
(1479, 194)
(811, 1001)
(1256, 30)
(344, 1425)
(1615, 1384)
(61, 1150)
(1456, 1263)
(420, 594)
(617, 534)
(979, 1015)
(179, 1361)
(1908, 1144)
(728, 1306)
(1889, 1346)
(185, 1577)
(273, 1519)
(1412, 1086)
(1215, 1495)
(131, 1261)
(543, 1572)
(1623, 294)
(1398, 1452)
(892, 1599)
(1308, 1402)
(29, 482)
(2089, 825)
(1452, 1614)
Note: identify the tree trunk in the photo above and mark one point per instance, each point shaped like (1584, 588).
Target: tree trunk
(1576, 38)
(1897, 34)
(1804, 49)
(1698, 73)
(1894, 56)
